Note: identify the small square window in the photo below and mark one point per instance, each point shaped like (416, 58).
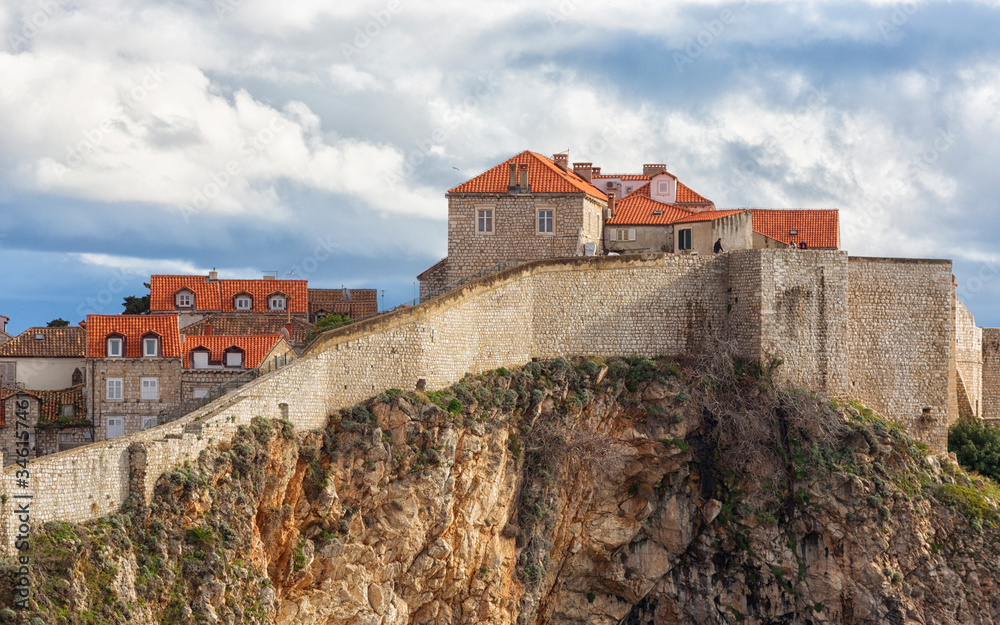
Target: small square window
(234, 359)
(244, 302)
(664, 187)
(277, 302)
(184, 300)
(150, 347)
(545, 221)
(114, 348)
(484, 220)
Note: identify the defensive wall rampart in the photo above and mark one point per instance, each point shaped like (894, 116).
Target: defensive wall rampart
(991, 373)
(823, 313)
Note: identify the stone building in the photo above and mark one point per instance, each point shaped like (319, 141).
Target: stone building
(44, 359)
(210, 361)
(192, 298)
(528, 207)
(294, 330)
(354, 303)
(991, 374)
(55, 421)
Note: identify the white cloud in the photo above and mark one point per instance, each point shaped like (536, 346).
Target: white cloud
(349, 78)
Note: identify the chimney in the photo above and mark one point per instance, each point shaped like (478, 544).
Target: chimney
(525, 187)
(584, 170)
(562, 160)
(653, 168)
(208, 329)
(213, 276)
(596, 172)
(611, 204)
(269, 278)
(512, 183)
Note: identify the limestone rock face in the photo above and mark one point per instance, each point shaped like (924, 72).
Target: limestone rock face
(594, 494)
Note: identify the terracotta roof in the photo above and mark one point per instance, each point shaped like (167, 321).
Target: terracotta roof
(163, 288)
(362, 302)
(544, 176)
(240, 324)
(69, 342)
(255, 347)
(133, 328)
(818, 228)
(686, 196)
(639, 210)
(709, 215)
(51, 403)
(295, 292)
(624, 177)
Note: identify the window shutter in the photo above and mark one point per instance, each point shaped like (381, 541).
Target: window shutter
(614, 234)
(631, 234)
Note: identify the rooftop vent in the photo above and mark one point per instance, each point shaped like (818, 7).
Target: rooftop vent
(39, 337)
(657, 213)
(793, 233)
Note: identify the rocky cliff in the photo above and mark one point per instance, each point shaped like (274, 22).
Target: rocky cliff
(628, 491)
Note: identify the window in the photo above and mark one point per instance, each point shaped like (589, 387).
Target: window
(150, 346)
(200, 360)
(484, 220)
(664, 187)
(243, 302)
(116, 427)
(184, 300)
(624, 234)
(200, 393)
(68, 410)
(148, 422)
(234, 359)
(114, 347)
(114, 392)
(545, 221)
(150, 389)
(276, 302)
(684, 239)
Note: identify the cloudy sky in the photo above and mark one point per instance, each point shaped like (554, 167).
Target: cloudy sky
(317, 137)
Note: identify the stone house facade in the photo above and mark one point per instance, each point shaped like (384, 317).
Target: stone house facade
(54, 420)
(991, 373)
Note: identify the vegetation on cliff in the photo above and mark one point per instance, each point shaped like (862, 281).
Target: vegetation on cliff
(598, 491)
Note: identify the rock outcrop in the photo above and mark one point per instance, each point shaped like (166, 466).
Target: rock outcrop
(628, 491)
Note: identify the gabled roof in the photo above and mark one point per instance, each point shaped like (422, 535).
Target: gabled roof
(709, 215)
(686, 196)
(133, 328)
(233, 324)
(818, 228)
(544, 176)
(69, 342)
(639, 210)
(295, 292)
(254, 347)
(163, 288)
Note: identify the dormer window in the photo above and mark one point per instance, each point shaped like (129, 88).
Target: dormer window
(199, 358)
(150, 346)
(234, 358)
(115, 347)
(276, 302)
(243, 302)
(184, 299)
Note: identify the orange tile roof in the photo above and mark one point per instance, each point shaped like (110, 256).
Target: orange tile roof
(544, 176)
(362, 302)
(163, 288)
(686, 196)
(69, 342)
(818, 228)
(255, 347)
(296, 293)
(231, 324)
(133, 328)
(637, 210)
(624, 177)
(709, 215)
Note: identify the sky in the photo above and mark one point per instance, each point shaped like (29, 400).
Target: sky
(316, 139)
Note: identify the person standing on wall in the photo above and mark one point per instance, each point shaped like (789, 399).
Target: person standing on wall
(718, 246)
(792, 246)
(802, 245)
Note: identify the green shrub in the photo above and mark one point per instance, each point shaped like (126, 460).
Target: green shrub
(977, 445)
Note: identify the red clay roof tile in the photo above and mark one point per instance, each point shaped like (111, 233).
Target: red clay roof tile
(544, 176)
(255, 347)
(162, 289)
(133, 328)
(69, 342)
(818, 228)
(709, 215)
(295, 292)
(639, 210)
(686, 196)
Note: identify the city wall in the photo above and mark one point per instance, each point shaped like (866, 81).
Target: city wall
(820, 312)
(991, 373)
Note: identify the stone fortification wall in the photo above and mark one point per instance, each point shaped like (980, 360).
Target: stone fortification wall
(991, 373)
(786, 303)
(968, 353)
(900, 329)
